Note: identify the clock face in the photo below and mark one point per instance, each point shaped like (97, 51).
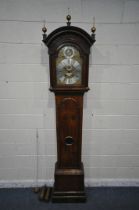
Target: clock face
(69, 66)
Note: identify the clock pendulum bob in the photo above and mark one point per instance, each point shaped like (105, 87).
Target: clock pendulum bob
(69, 172)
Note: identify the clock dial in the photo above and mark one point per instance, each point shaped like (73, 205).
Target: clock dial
(69, 66)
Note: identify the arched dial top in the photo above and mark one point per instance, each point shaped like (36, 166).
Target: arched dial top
(68, 66)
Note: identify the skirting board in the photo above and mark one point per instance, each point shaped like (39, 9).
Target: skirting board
(112, 182)
(88, 183)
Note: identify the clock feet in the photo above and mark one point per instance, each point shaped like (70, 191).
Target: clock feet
(68, 197)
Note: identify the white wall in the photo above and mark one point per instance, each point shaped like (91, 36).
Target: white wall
(111, 107)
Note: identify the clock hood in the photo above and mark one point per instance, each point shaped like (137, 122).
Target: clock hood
(69, 31)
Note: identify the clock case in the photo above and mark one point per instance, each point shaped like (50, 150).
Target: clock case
(69, 170)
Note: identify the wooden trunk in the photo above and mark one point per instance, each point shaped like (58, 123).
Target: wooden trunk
(69, 172)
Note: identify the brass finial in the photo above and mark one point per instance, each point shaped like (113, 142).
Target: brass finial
(68, 17)
(44, 30)
(93, 29)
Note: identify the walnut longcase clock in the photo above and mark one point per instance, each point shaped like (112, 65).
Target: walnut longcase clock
(69, 49)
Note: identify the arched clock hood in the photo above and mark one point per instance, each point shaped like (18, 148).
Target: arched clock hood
(68, 31)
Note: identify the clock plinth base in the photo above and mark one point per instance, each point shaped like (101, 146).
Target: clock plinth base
(70, 197)
(69, 185)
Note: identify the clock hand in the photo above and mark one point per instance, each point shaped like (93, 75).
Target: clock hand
(64, 64)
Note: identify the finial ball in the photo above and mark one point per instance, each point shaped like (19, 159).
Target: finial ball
(93, 29)
(44, 29)
(68, 17)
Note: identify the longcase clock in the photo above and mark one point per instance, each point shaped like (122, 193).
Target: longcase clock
(69, 49)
